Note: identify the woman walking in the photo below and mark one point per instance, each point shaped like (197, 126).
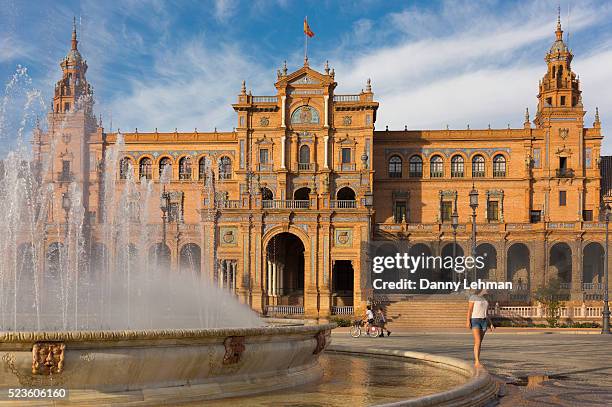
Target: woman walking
(477, 319)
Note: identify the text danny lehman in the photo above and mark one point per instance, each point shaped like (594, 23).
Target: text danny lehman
(402, 272)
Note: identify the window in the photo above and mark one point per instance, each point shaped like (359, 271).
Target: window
(263, 156)
(436, 167)
(548, 102)
(416, 167)
(65, 175)
(446, 209)
(165, 168)
(399, 211)
(493, 210)
(66, 107)
(587, 215)
(457, 165)
(124, 168)
(499, 166)
(535, 216)
(185, 168)
(562, 198)
(478, 166)
(202, 168)
(346, 156)
(145, 168)
(304, 154)
(562, 163)
(562, 100)
(225, 168)
(395, 167)
(174, 212)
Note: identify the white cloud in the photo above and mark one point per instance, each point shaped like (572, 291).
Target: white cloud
(224, 9)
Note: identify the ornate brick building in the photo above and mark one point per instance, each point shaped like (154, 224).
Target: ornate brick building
(282, 209)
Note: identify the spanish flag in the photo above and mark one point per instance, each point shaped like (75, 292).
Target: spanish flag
(307, 29)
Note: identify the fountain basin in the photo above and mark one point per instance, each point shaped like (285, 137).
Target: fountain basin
(163, 366)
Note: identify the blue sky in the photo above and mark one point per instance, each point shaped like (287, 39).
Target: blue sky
(179, 64)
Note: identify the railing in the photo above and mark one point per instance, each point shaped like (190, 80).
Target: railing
(346, 98)
(265, 99)
(285, 309)
(456, 174)
(306, 166)
(436, 174)
(565, 173)
(229, 204)
(478, 174)
(565, 286)
(499, 174)
(395, 174)
(225, 175)
(285, 204)
(343, 204)
(540, 312)
(592, 286)
(346, 167)
(588, 312)
(265, 166)
(348, 310)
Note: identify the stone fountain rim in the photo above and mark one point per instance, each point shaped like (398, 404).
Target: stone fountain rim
(154, 334)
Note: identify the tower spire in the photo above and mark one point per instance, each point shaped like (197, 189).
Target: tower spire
(74, 34)
(559, 31)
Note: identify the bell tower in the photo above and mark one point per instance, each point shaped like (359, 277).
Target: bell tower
(559, 92)
(72, 92)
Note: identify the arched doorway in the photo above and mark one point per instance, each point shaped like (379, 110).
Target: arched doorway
(159, 256)
(560, 264)
(302, 194)
(517, 266)
(488, 252)
(285, 270)
(593, 265)
(343, 278)
(448, 273)
(190, 259)
(266, 194)
(426, 271)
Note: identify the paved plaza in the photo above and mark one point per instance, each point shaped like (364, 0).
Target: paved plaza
(578, 365)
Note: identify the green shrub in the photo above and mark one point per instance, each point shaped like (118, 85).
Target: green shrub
(341, 321)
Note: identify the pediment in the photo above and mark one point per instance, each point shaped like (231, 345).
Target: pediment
(305, 80)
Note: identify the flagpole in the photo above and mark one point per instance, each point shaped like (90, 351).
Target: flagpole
(306, 42)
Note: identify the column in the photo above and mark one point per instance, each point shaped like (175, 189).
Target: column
(274, 279)
(269, 277)
(326, 153)
(326, 98)
(283, 138)
(283, 99)
(280, 279)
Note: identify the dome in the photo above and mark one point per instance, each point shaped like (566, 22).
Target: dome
(558, 46)
(74, 56)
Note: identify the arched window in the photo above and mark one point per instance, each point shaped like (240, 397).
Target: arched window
(202, 168)
(125, 167)
(305, 115)
(302, 194)
(304, 154)
(395, 167)
(145, 168)
(457, 166)
(225, 168)
(185, 168)
(266, 194)
(416, 167)
(165, 167)
(478, 166)
(499, 166)
(436, 169)
(345, 194)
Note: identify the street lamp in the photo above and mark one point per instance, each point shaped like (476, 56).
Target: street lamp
(66, 204)
(605, 326)
(164, 205)
(454, 224)
(474, 206)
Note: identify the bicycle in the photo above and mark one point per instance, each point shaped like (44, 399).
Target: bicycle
(372, 330)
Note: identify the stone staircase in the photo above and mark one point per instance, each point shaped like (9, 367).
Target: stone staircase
(435, 312)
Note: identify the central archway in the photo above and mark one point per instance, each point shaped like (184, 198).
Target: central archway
(285, 270)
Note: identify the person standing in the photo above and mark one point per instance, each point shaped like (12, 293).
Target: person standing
(477, 319)
(382, 323)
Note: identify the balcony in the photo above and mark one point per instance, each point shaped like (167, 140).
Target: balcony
(346, 167)
(265, 167)
(346, 98)
(306, 166)
(592, 286)
(229, 204)
(65, 176)
(265, 99)
(565, 173)
(343, 204)
(285, 204)
(225, 176)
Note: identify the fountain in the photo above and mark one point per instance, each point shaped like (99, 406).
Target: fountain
(109, 321)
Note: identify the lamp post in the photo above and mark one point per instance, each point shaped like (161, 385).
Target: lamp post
(474, 206)
(164, 205)
(66, 203)
(605, 326)
(454, 224)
